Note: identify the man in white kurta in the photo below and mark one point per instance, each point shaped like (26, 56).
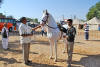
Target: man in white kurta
(4, 39)
(25, 38)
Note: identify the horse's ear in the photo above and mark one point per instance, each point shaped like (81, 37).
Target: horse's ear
(47, 12)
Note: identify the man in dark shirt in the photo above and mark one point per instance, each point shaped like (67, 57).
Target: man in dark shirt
(70, 32)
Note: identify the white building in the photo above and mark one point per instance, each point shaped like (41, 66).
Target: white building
(94, 24)
(78, 24)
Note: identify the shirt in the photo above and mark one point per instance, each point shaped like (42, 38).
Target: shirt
(86, 28)
(70, 32)
(25, 29)
(4, 28)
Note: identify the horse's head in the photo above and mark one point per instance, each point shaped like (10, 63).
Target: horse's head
(45, 17)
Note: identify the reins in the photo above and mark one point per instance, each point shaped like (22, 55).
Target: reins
(48, 25)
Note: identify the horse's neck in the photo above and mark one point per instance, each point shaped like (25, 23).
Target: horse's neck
(51, 24)
(51, 21)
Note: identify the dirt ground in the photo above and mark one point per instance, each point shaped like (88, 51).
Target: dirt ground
(86, 53)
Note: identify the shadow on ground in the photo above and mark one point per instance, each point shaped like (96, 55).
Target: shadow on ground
(9, 60)
(95, 40)
(41, 65)
(40, 42)
(89, 61)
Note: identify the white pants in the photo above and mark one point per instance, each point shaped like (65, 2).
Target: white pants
(5, 43)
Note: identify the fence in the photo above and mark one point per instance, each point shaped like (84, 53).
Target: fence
(93, 35)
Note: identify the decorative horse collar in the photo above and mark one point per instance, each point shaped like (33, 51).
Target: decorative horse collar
(47, 24)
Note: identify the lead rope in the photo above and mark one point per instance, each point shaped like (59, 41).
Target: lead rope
(47, 24)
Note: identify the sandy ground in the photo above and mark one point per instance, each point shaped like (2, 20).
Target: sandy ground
(86, 53)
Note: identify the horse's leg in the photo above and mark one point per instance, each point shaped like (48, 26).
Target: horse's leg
(65, 45)
(55, 44)
(51, 49)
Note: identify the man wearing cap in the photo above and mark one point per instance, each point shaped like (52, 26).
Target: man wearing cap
(4, 34)
(25, 38)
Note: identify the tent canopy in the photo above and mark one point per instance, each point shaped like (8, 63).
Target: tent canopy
(77, 21)
(94, 21)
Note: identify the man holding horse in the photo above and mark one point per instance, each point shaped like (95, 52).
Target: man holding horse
(25, 38)
(70, 32)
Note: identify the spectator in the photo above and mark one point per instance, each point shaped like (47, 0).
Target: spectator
(86, 31)
(4, 34)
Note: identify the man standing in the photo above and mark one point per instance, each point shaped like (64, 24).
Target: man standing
(4, 34)
(70, 32)
(25, 38)
(86, 31)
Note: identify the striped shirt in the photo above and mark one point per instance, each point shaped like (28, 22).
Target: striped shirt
(86, 28)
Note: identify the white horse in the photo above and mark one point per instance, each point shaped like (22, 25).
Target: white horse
(53, 32)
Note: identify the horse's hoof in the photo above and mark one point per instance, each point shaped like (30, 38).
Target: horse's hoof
(55, 60)
(69, 66)
(51, 57)
(64, 52)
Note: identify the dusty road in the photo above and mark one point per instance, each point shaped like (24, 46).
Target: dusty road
(86, 53)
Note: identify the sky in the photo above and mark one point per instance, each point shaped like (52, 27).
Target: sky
(58, 8)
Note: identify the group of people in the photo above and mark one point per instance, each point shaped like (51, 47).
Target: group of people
(25, 38)
(25, 32)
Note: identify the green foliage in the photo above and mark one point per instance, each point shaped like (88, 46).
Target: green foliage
(36, 20)
(31, 20)
(10, 17)
(94, 11)
(2, 15)
(1, 2)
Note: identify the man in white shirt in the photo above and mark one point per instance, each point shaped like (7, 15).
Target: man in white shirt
(4, 34)
(25, 38)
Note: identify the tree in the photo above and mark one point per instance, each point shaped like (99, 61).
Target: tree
(94, 11)
(1, 2)
(36, 20)
(2, 16)
(29, 19)
(10, 17)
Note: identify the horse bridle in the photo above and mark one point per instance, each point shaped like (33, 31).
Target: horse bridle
(47, 21)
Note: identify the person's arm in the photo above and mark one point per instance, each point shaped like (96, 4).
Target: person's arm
(36, 27)
(30, 30)
(74, 33)
(42, 24)
(2, 31)
(7, 32)
(63, 29)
